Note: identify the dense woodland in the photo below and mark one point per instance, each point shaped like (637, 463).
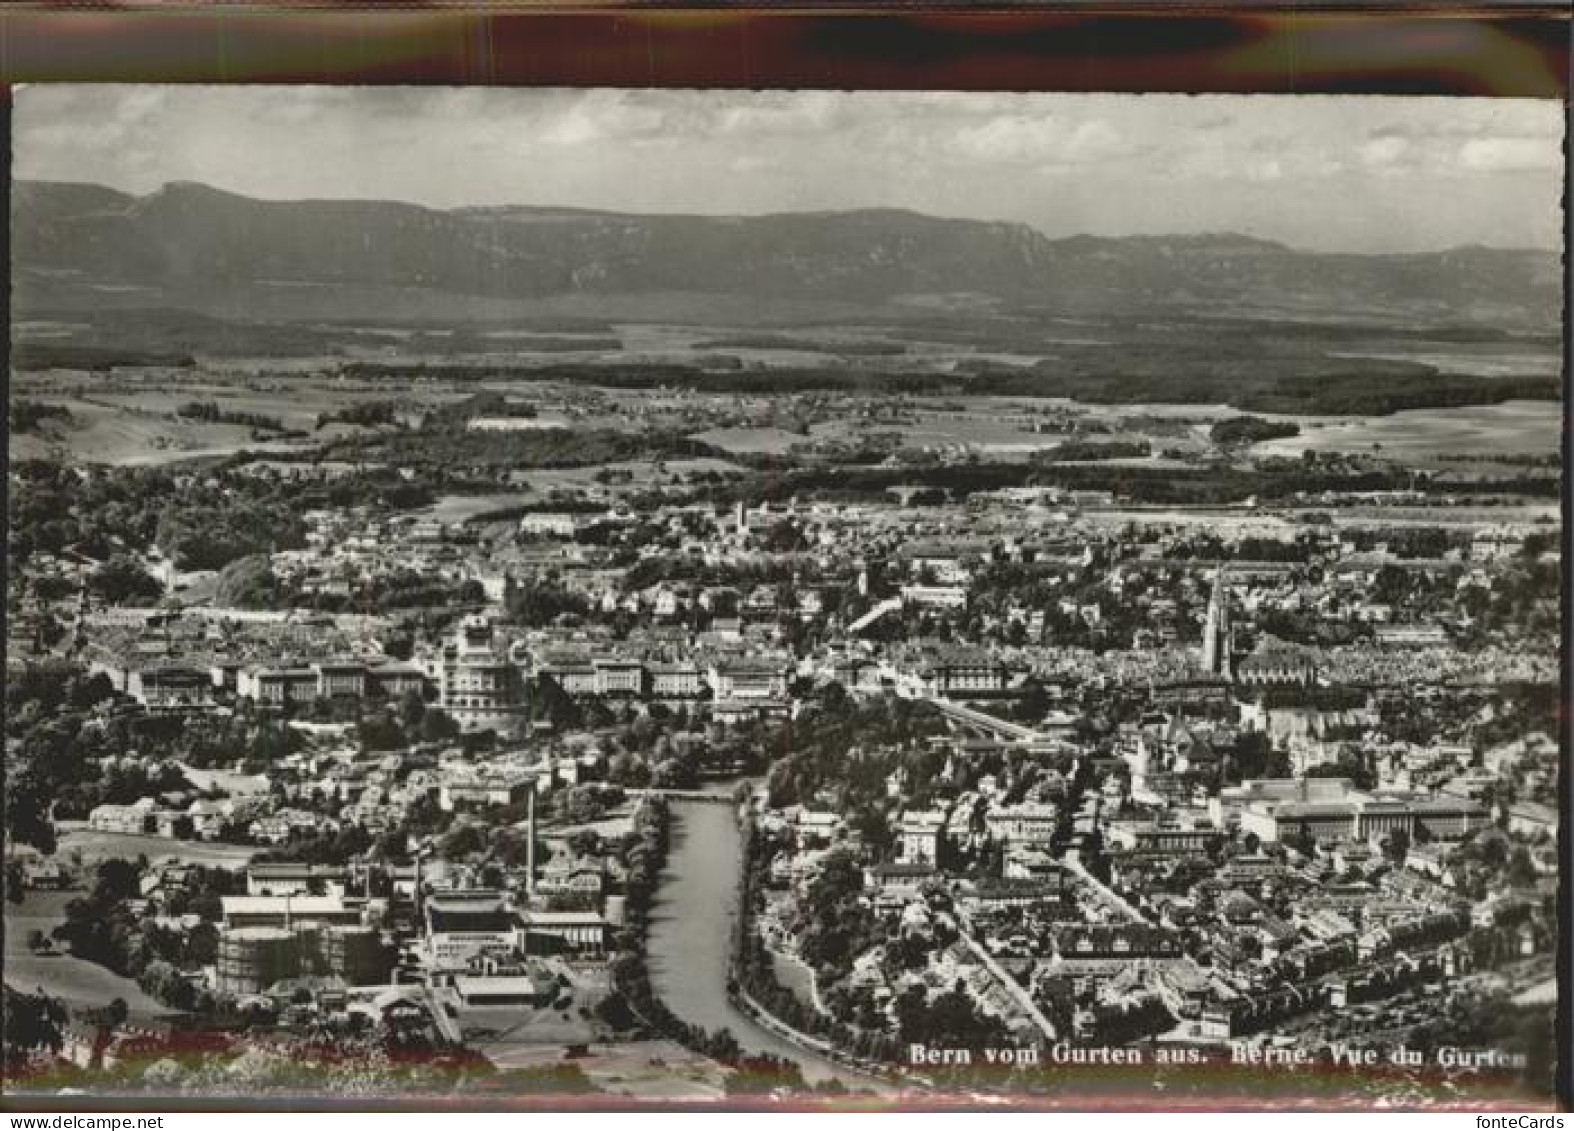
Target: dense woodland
(1252, 379)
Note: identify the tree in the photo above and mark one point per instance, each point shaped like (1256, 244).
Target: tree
(874, 829)
(31, 1023)
(247, 583)
(412, 709)
(122, 580)
(164, 983)
(26, 813)
(1397, 846)
(117, 882)
(202, 945)
(466, 840)
(1034, 702)
(380, 732)
(438, 725)
(1521, 871)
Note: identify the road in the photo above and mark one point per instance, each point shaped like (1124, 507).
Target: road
(1073, 863)
(1012, 987)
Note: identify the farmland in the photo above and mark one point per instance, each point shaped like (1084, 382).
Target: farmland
(1421, 435)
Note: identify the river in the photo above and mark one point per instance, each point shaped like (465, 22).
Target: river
(691, 935)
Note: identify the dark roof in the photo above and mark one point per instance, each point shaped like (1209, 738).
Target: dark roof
(468, 920)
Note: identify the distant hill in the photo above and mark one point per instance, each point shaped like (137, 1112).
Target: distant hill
(195, 248)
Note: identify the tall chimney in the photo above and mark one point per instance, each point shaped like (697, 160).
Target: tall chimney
(415, 897)
(530, 846)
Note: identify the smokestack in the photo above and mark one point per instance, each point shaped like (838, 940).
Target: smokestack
(415, 897)
(530, 846)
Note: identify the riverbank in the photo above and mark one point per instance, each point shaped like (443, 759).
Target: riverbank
(743, 974)
(875, 1075)
(693, 935)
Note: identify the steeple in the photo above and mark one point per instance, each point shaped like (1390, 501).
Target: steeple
(1216, 630)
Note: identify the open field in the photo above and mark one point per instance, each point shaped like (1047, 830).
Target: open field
(1487, 360)
(236, 785)
(125, 421)
(128, 417)
(1511, 428)
(71, 979)
(655, 1070)
(796, 975)
(459, 508)
(77, 982)
(751, 441)
(106, 433)
(128, 846)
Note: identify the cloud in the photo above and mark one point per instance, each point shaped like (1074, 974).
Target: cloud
(1457, 170)
(1042, 140)
(1262, 172)
(1510, 154)
(1384, 152)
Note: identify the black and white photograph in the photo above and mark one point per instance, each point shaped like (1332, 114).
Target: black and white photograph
(619, 598)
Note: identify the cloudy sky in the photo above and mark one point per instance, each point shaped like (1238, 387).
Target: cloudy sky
(1330, 173)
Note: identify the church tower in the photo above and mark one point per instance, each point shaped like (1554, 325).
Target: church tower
(1216, 631)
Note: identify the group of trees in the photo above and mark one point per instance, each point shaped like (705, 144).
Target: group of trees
(1254, 373)
(209, 533)
(755, 973)
(33, 1025)
(366, 414)
(201, 521)
(251, 583)
(56, 745)
(444, 441)
(1251, 430)
(122, 580)
(834, 925)
(842, 751)
(537, 605)
(949, 1019)
(412, 720)
(1077, 450)
(101, 928)
(68, 756)
(26, 416)
(209, 412)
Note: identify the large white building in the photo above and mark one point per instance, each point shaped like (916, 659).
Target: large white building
(1332, 809)
(481, 684)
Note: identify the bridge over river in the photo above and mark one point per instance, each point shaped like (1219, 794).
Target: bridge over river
(708, 797)
(981, 720)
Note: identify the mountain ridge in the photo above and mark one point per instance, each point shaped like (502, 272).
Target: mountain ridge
(77, 245)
